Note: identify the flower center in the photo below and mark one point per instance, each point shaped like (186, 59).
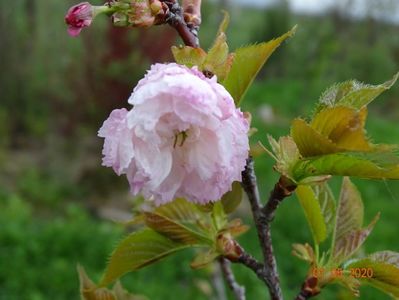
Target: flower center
(180, 138)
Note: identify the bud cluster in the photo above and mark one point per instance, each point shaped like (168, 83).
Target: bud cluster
(135, 13)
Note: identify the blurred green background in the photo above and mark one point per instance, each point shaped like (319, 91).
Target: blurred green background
(58, 205)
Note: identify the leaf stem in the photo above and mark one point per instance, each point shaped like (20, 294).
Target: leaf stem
(238, 290)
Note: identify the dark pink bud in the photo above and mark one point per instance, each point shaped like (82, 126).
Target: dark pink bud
(79, 16)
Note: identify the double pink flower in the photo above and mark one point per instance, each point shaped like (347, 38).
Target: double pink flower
(184, 137)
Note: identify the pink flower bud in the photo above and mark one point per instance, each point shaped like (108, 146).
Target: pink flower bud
(79, 16)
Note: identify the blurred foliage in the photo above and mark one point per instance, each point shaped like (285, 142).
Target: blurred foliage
(56, 91)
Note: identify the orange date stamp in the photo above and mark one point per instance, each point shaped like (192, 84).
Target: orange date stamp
(339, 272)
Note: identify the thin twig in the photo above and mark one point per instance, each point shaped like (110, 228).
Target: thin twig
(302, 296)
(258, 268)
(263, 217)
(238, 290)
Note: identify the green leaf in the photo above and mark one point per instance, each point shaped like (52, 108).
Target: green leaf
(353, 94)
(219, 216)
(218, 61)
(232, 199)
(247, 63)
(176, 231)
(204, 258)
(371, 165)
(224, 24)
(309, 141)
(350, 210)
(181, 221)
(304, 252)
(137, 250)
(385, 269)
(89, 291)
(189, 56)
(122, 294)
(313, 212)
(285, 153)
(182, 211)
(344, 127)
(327, 204)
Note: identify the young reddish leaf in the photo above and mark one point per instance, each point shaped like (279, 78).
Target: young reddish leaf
(348, 233)
(313, 212)
(350, 210)
(247, 63)
(232, 199)
(327, 204)
(388, 257)
(346, 246)
(236, 227)
(138, 250)
(189, 56)
(384, 270)
(353, 94)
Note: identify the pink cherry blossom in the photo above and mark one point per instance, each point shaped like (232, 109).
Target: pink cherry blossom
(184, 137)
(79, 16)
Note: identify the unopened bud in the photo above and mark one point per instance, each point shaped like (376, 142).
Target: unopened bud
(79, 16)
(156, 7)
(120, 19)
(140, 14)
(228, 247)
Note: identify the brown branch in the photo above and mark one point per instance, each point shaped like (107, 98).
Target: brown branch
(238, 290)
(263, 217)
(257, 267)
(302, 296)
(175, 18)
(283, 188)
(187, 25)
